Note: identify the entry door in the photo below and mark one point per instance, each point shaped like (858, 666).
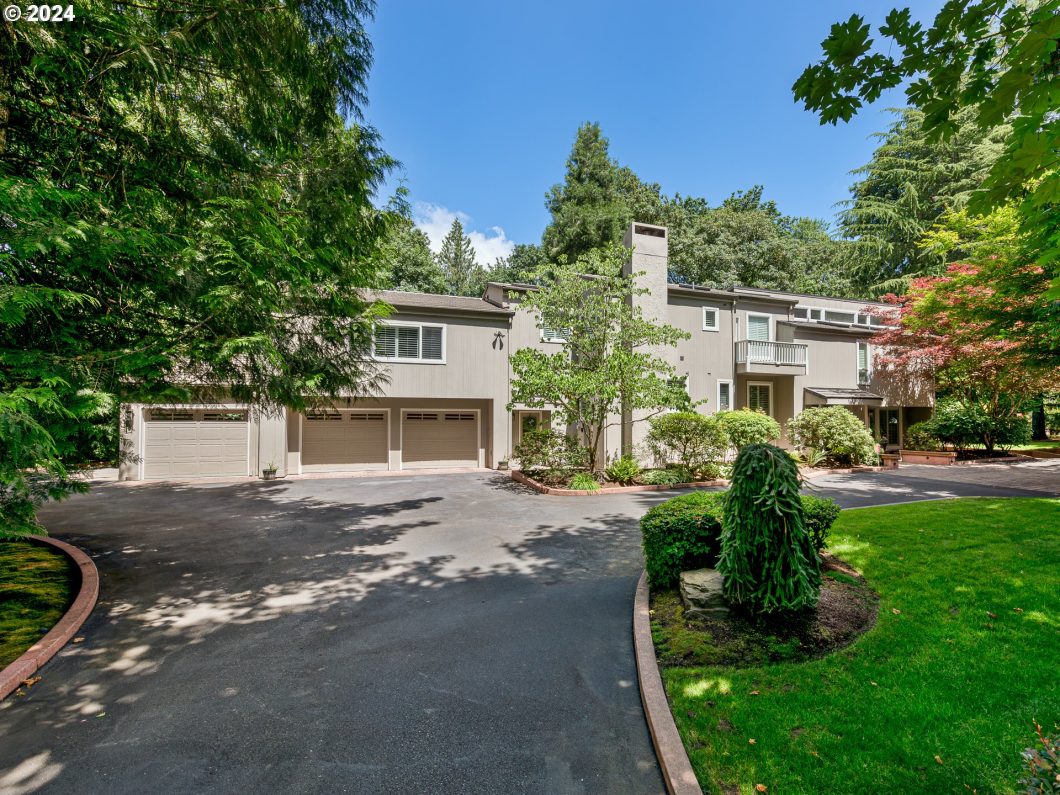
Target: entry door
(889, 426)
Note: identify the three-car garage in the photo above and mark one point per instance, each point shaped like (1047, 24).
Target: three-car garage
(181, 442)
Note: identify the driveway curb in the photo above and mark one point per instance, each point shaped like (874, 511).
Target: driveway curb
(670, 751)
(58, 636)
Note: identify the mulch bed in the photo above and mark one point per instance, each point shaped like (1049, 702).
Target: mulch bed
(847, 609)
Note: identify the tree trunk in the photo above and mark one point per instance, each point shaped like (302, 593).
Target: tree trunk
(1038, 430)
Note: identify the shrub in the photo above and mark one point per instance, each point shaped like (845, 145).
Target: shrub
(681, 534)
(666, 477)
(583, 481)
(1041, 767)
(834, 432)
(819, 514)
(1009, 431)
(921, 436)
(957, 423)
(687, 438)
(963, 424)
(546, 452)
(746, 427)
(623, 470)
(767, 561)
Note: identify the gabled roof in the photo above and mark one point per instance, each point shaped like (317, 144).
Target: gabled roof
(440, 303)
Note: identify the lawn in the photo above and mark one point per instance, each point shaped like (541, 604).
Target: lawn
(36, 587)
(939, 697)
(1042, 444)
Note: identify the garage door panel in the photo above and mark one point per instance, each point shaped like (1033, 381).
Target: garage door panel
(188, 445)
(439, 439)
(345, 441)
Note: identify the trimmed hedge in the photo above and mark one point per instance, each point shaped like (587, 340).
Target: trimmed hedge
(681, 534)
(819, 514)
(744, 427)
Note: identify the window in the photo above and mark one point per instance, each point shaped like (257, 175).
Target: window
(410, 343)
(864, 370)
(724, 395)
(711, 318)
(835, 316)
(550, 334)
(759, 397)
(801, 313)
(758, 328)
(816, 314)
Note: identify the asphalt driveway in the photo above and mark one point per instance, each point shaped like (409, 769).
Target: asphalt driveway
(452, 633)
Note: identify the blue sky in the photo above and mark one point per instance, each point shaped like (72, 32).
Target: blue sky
(481, 101)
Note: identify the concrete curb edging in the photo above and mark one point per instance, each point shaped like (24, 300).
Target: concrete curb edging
(58, 636)
(519, 477)
(670, 751)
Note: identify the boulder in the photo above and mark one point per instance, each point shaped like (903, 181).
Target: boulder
(702, 595)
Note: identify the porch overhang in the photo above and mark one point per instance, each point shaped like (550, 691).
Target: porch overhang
(827, 396)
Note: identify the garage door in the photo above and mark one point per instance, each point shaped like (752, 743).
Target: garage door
(190, 443)
(439, 439)
(338, 441)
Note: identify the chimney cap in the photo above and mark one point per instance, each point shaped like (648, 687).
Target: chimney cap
(649, 230)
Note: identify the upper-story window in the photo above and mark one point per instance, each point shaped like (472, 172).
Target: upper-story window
(550, 334)
(837, 316)
(864, 363)
(759, 328)
(711, 318)
(410, 342)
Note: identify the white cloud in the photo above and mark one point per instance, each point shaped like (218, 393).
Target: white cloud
(435, 221)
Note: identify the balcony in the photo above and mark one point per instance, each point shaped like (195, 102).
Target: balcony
(770, 358)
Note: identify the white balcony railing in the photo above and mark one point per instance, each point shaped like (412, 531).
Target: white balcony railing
(788, 354)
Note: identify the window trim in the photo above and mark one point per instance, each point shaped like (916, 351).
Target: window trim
(717, 318)
(769, 323)
(405, 359)
(772, 406)
(718, 394)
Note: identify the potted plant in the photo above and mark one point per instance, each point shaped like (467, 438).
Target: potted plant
(268, 472)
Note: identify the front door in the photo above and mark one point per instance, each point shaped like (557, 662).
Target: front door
(890, 426)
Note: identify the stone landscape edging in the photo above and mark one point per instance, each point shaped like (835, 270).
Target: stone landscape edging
(34, 658)
(677, 771)
(519, 477)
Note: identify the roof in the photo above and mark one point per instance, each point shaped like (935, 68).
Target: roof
(836, 392)
(827, 325)
(863, 302)
(843, 397)
(444, 303)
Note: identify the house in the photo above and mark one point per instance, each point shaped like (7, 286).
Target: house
(447, 361)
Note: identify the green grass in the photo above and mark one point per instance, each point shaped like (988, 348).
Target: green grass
(962, 660)
(1043, 444)
(36, 587)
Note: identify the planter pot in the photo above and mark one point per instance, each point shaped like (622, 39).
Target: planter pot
(934, 457)
(268, 474)
(889, 460)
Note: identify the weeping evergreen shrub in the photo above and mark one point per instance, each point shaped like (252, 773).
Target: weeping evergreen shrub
(768, 563)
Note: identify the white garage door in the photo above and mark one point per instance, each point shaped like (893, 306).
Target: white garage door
(338, 441)
(187, 443)
(439, 439)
